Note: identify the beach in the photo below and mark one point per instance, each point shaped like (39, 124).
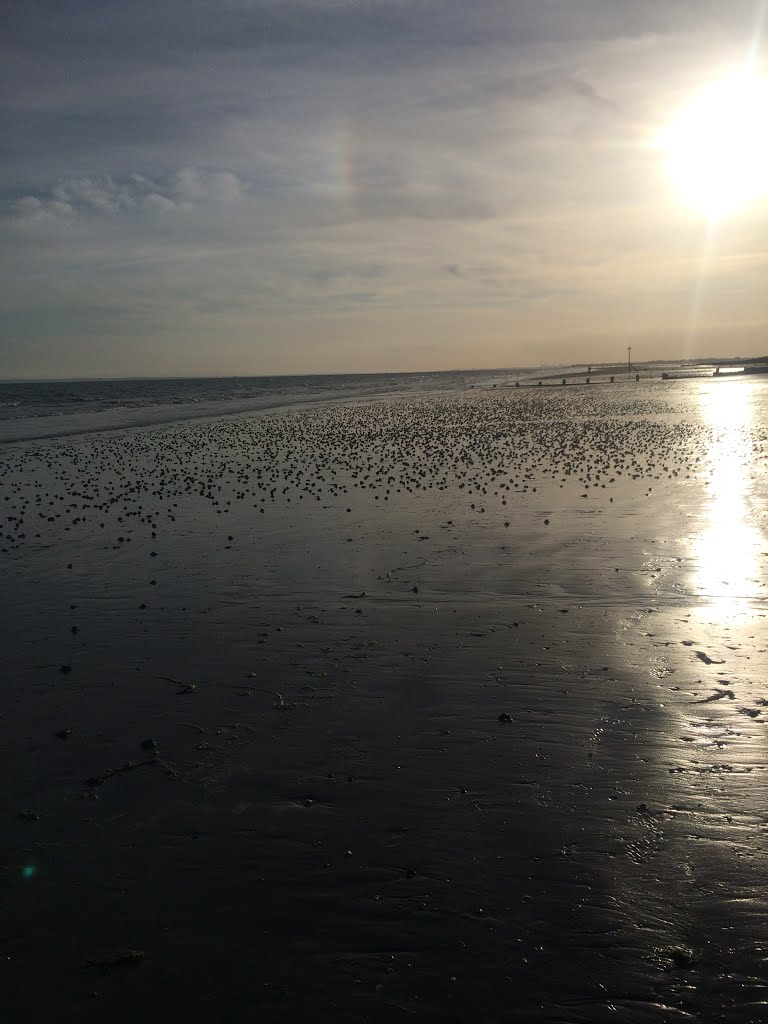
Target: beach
(439, 706)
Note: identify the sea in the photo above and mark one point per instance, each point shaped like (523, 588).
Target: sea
(42, 409)
(57, 408)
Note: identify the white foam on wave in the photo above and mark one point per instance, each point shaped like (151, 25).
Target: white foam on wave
(64, 425)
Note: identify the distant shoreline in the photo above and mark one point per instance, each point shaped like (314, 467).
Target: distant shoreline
(573, 369)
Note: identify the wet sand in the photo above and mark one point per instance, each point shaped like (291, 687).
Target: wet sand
(450, 708)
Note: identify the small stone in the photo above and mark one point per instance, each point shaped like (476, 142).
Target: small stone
(118, 959)
(64, 669)
(62, 734)
(148, 744)
(681, 956)
(504, 717)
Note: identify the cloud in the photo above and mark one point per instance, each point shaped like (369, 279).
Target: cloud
(584, 88)
(136, 194)
(31, 210)
(193, 185)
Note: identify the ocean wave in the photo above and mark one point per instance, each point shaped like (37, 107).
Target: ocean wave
(107, 404)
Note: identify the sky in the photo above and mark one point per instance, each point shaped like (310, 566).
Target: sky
(216, 187)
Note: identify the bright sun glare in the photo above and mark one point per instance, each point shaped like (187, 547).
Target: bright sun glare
(727, 552)
(717, 146)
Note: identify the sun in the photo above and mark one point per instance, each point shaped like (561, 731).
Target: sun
(717, 147)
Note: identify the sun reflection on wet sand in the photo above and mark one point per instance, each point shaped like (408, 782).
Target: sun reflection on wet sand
(727, 552)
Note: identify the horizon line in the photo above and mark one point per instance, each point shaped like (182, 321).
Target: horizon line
(373, 373)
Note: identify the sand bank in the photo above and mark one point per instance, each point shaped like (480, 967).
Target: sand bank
(446, 708)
